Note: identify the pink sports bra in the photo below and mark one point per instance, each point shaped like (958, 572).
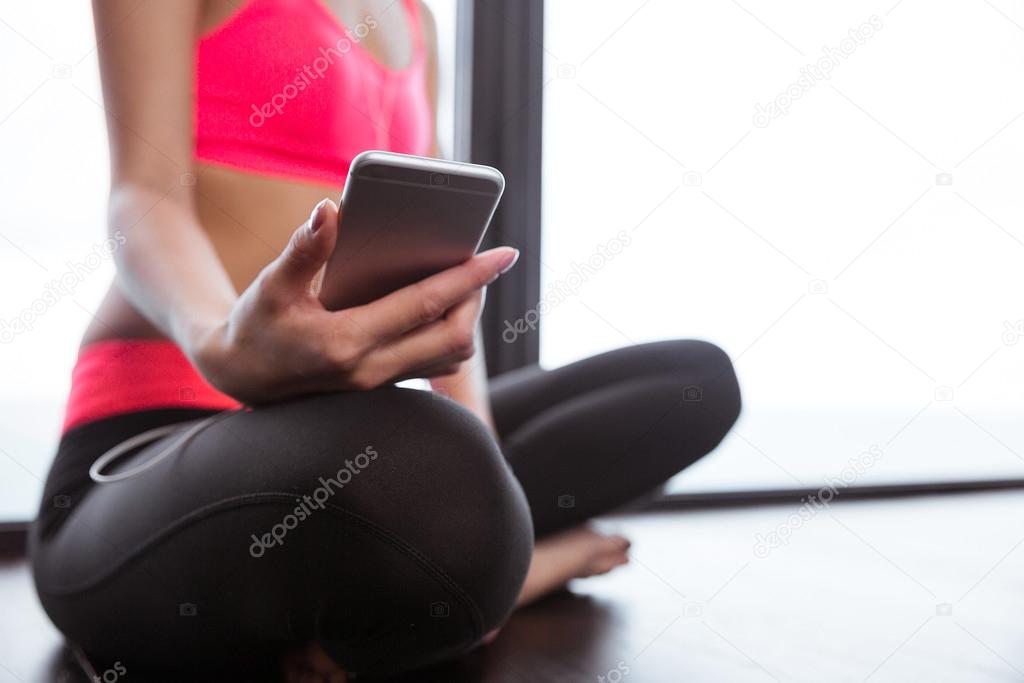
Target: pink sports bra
(284, 88)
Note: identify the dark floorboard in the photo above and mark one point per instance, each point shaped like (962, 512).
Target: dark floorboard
(927, 589)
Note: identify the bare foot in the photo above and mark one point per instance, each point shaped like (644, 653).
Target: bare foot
(573, 554)
(310, 664)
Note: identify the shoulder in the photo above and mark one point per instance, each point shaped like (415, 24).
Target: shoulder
(428, 25)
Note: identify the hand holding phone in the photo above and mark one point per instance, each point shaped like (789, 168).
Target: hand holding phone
(403, 219)
(280, 339)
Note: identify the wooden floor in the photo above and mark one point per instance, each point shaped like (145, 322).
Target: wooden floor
(928, 589)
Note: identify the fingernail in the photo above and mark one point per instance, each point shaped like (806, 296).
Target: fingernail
(506, 265)
(316, 218)
(511, 261)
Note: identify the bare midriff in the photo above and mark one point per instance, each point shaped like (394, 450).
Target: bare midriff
(249, 219)
(249, 216)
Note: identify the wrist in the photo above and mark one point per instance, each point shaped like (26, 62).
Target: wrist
(201, 341)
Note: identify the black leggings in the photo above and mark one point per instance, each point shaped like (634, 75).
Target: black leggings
(386, 525)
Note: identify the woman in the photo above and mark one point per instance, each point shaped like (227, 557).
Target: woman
(335, 523)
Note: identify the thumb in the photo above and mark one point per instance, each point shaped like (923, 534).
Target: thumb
(308, 249)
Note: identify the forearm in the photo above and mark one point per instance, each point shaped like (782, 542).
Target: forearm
(166, 265)
(469, 385)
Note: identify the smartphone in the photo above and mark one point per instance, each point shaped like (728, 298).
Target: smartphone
(405, 218)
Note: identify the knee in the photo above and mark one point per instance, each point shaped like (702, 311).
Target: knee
(441, 491)
(480, 529)
(435, 478)
(709, 377)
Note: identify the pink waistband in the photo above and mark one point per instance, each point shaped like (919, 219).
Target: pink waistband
(127, 375)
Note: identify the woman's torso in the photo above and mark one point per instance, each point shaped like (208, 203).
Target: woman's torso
(249, 210)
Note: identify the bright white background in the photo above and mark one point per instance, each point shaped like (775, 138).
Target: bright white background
(54, 175)
(864, 300)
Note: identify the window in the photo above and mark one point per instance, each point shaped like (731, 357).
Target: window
(54, 172)
(830, 192)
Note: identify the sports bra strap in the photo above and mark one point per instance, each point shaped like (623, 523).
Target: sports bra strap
(412, 10)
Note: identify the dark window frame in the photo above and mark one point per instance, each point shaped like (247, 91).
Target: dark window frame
(499, 110)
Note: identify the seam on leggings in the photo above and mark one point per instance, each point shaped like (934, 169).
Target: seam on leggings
(272, 497)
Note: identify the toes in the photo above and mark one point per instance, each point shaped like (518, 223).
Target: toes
(614, 544)
(606, 564)
(622, 542)
(614, 554)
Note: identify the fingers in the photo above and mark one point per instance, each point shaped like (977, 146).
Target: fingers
(430, 299)
(451, 339)
(430, 350)
(308, 250)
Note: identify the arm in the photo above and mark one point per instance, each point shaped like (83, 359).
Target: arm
(468, 385)
(168, 268)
